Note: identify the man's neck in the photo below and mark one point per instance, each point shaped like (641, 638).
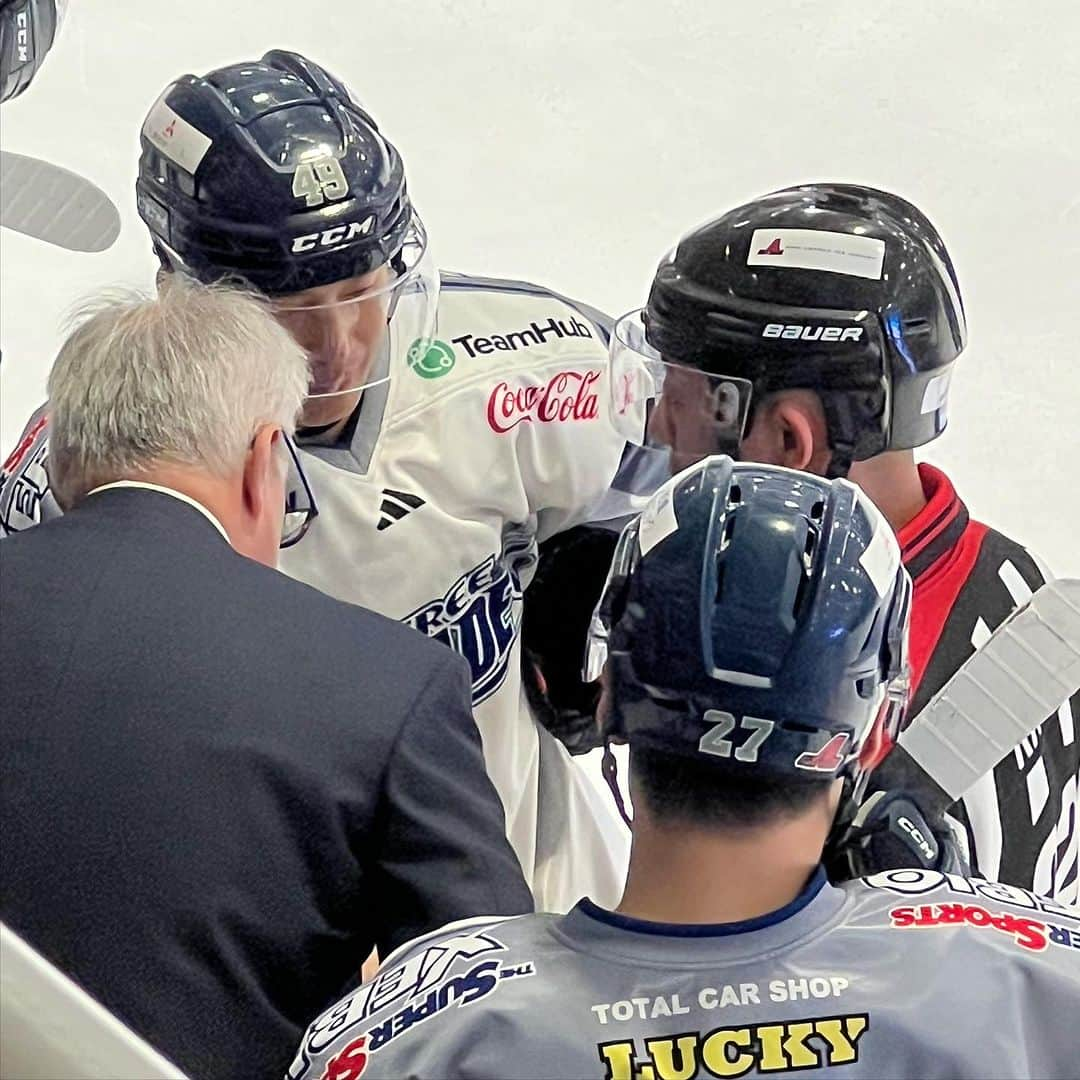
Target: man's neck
(679, 874)
(210, 492)
(892, 481)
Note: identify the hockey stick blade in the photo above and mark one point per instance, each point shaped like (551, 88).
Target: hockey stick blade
(1027, 669)
(56, 205)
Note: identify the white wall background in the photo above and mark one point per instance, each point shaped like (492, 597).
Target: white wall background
(572, 141)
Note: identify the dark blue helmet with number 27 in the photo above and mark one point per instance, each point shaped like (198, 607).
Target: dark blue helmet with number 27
(755, 617)
(270, 172)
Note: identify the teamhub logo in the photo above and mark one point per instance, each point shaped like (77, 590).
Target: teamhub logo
(434, 359)
(430, 359)
(534, 334)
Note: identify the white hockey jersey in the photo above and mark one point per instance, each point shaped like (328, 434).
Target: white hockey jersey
(472, 453)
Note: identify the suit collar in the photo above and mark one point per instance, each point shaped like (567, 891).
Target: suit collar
(178, 495)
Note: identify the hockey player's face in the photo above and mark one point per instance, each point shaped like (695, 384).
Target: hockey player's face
(341, 327)
(685, 417)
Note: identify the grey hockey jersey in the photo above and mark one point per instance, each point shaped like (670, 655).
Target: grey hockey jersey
(906, 974)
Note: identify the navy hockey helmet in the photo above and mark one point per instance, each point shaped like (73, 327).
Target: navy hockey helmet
(270, 172)
(28, 29)
(839, 288)
(755, 617)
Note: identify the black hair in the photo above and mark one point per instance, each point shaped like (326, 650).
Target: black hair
(683, 790)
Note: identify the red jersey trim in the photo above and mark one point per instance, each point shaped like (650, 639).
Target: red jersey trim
(939, 547)
(25, 443)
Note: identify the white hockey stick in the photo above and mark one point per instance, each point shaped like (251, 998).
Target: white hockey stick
(1026, 670)
(55, 205)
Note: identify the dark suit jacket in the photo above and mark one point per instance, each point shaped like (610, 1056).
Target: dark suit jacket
(221, 787)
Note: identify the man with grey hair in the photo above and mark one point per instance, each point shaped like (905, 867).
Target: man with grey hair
(199, 402)
(219, 782)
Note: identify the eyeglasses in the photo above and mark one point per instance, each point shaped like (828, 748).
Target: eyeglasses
(300, 506)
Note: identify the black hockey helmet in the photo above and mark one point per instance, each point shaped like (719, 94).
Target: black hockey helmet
(839, 288)
(28, 29)
(755, 617)
(270, 172)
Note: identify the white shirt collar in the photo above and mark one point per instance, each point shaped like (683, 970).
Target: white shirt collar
(167, 491)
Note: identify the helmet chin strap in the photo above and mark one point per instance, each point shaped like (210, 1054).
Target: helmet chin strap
(840, 462)
(609, 769)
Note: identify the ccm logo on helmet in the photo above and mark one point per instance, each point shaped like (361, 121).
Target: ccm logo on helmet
(339, 234)
(812, 333)
(22, 36)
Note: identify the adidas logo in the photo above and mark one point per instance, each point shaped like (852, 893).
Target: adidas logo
(395, 505)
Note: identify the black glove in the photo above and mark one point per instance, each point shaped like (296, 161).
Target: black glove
(559, 603)
(890, 832)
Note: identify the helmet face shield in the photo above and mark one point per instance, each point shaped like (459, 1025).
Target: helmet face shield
(605, 615)
(672, 408)
(344, 326)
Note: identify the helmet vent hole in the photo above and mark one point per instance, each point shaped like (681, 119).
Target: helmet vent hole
(817, 512)
(720, 567)
(800, 591)
(729, 531)
(866, 686)
(734, 495)
(916, 326)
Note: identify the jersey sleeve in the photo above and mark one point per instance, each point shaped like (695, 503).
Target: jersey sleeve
(557, 414)
(26, 499)
(569, 470)
(1022, 818)
(1012, 957)
(412, 1019)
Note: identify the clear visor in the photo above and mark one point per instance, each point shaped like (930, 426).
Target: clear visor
(596, 644)
(894, 707)
(891, 709)
(688, 413)
(345, 327)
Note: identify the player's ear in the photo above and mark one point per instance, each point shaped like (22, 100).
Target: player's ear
(799, 431)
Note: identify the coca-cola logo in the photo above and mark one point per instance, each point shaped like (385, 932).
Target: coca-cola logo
(567, 396)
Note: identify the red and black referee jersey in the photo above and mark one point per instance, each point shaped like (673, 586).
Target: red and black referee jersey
(1022, 820)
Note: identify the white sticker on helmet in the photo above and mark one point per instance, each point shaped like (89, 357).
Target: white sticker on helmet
(881, 558)
(175, 137)
(936, 392)
(658, 519)
(814, 249)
